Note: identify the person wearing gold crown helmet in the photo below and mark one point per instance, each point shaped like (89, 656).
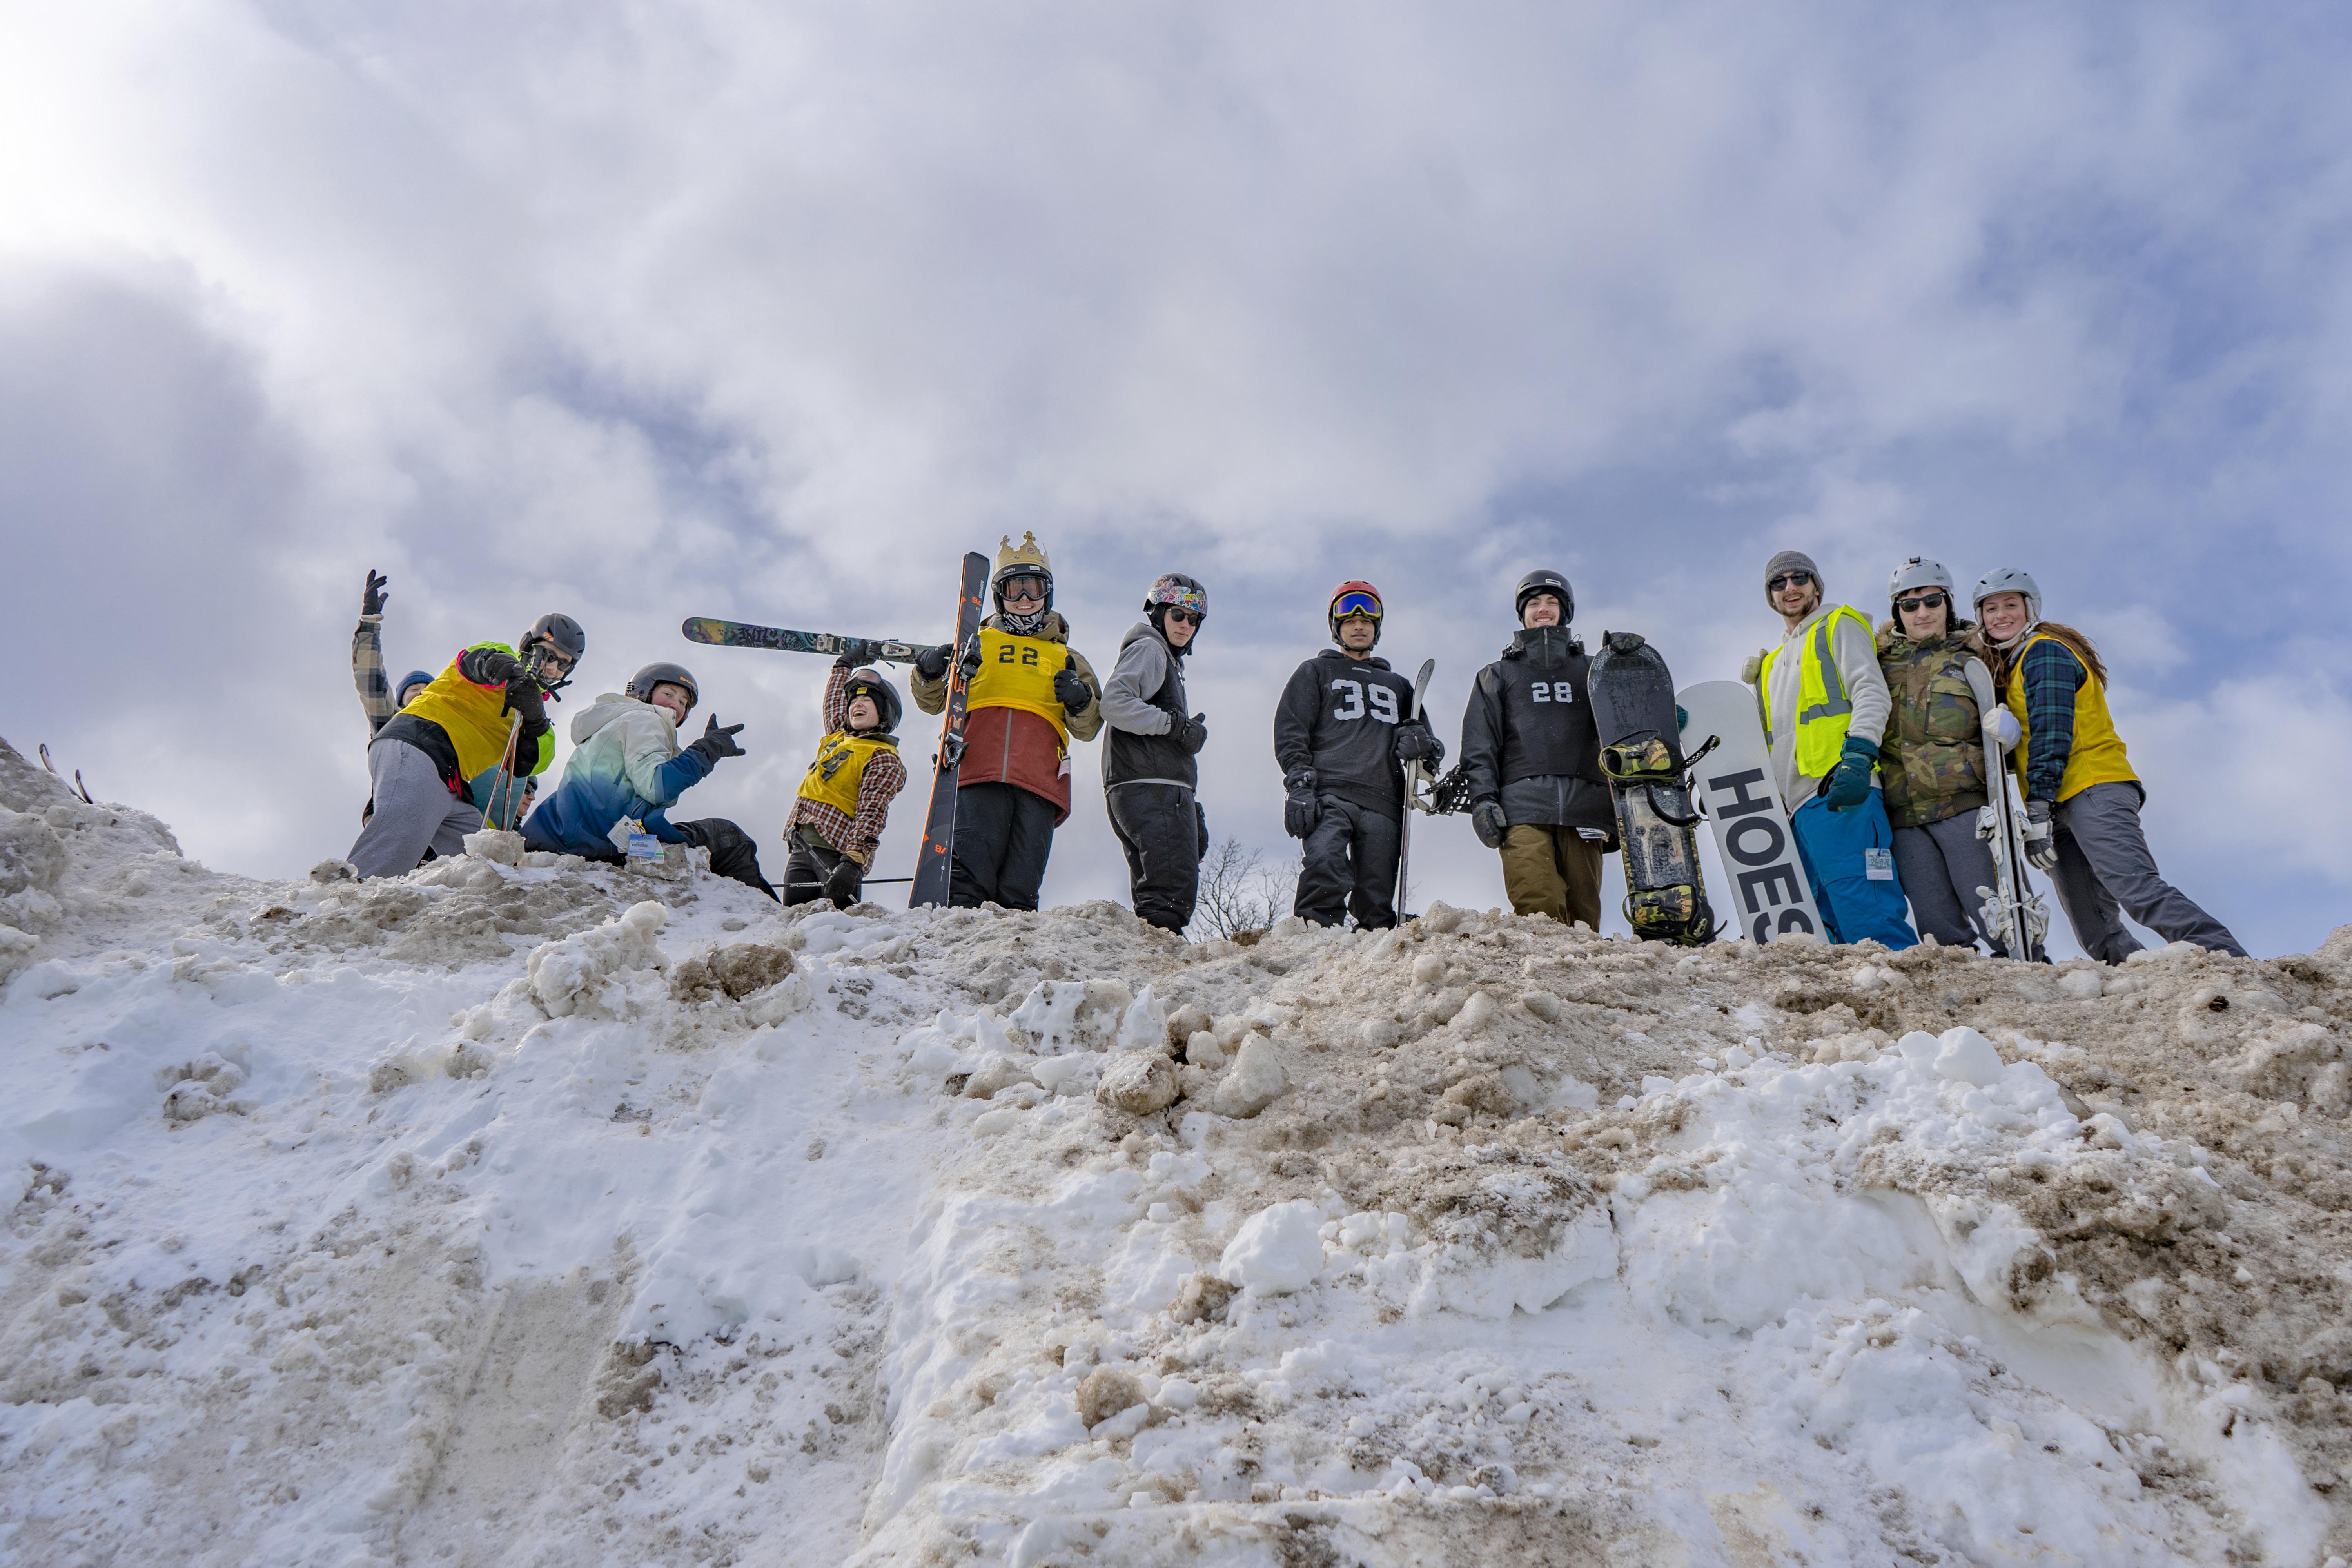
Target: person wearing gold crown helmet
(1030, 695)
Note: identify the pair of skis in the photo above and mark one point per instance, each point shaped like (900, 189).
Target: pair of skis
(2012, 913)
(935, 860)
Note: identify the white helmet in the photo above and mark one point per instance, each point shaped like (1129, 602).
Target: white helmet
(2009, 580)
(1919, 573)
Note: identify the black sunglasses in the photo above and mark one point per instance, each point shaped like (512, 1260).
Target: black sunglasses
(1923, 602)
(1787, 579)
(1189, 617)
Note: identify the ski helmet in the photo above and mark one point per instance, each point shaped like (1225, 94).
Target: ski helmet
(1921, 573)
(2009, 580)
(869, 682)
(563, 634)
(414, 678)
(1354, 597)
(641, 685)
(1544, 581)
(1177, 589)
(1026, 559)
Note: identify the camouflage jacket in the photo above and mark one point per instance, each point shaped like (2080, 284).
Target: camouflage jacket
(1931, 761)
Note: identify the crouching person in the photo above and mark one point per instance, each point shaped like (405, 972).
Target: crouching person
(456, 729)
(844, 801)
(1149, 775)
(626, 765)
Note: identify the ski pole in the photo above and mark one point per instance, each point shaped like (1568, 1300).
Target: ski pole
(506, 766)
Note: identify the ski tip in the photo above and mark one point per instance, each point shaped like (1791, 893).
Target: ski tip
(703, 629)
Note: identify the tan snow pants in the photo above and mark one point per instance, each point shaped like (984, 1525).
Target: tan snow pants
(1555, 871)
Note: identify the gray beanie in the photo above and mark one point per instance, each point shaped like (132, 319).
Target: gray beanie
(1791, 561)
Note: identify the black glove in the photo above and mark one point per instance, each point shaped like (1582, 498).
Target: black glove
(717, 742)
(842, 882)
(373, 598)
(1301, 811)
(1071, 689)
(2041, 842)
(931, 664)
(1200, 821)
(1193, 733)
(1414, 743)
(855, 651)
(970, 662)
(492, 666)
(1486, 820)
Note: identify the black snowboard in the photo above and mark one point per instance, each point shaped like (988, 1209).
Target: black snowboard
(935, 861)
(1641, 751)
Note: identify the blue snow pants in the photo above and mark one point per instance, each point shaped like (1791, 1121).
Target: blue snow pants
(1852, 905)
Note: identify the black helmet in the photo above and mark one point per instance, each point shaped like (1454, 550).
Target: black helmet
(641, 685)
(1175, 591)
(560, 633)
(1544, 581)
(869, 682)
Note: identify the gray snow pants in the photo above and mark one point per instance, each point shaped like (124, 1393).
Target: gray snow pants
(1941, 866)
(414, 811)
(2104, 862)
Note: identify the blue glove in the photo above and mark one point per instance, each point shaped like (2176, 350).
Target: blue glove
(1849, 782)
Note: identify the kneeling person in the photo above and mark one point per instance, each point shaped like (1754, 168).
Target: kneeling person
(626, 765)
(844, 801)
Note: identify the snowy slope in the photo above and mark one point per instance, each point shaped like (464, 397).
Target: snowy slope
(554, 1213)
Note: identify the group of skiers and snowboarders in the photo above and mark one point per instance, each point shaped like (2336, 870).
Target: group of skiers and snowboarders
(1878, 736)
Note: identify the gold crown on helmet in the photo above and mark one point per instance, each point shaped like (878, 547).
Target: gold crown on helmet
(1027, 555)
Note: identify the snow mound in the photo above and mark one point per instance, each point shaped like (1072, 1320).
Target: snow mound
(524, 1209)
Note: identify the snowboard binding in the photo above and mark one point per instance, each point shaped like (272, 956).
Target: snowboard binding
(1666, 895)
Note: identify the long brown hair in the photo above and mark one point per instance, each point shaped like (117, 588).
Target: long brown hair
(2076, 642)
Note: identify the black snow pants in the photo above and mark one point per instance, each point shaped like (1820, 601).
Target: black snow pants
(1002, 837)
(1350, 865)
(1159, 828)
(732, 853)
(806, 869)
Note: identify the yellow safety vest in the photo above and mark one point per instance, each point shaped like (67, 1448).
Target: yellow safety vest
(475, 721)
(840, 767)
(1824, 708)
(2098, 752)
(1018, 672)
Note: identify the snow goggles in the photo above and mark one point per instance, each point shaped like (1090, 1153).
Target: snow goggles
(1923, 602)
(1355, 604)
(1787, 579)
(1023, 585)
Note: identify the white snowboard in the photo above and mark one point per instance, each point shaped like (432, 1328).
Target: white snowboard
(1733, 785)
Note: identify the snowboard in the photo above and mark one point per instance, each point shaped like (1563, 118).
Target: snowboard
(1734, 789)
(2013, 913)
(935, 861)
(743, 633)
(1416, 798)
(1641, 751)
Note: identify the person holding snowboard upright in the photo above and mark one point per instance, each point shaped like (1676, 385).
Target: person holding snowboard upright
(1532, 758)
(457, 729)
(1150, 776)
(1343, 733)
(1931, 760)
(1029, 694)
(1824, 704)
(628, 766)
(2081, 797)
(844, 799)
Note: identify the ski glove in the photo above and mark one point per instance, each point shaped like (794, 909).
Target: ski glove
(1193, 733)
(491, 667)
(1486, 820)
(373, 598)
(1414, 743)
(855, 651)
(931, 664)
(1301, 811)
(1071, 689)
(717, 742)
(2041, 843)
(1849, 782)
(842, 883)
(1200, 821)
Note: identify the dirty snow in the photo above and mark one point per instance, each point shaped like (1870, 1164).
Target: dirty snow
(527, 1211)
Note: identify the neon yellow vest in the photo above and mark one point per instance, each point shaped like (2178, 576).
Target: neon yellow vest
(1824, 708)
(2098, 753)
(840, 767)
(474, 719)
(1018, 672)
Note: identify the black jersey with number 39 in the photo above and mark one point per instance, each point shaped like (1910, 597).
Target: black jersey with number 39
(1339, 716)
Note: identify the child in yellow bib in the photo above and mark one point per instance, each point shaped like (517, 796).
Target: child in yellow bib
(844, 797)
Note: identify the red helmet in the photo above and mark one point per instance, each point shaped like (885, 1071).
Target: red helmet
(1354, 597)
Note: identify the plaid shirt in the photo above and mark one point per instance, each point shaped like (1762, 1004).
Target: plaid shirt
(367, 673)
(885, 777)
(2052, 676)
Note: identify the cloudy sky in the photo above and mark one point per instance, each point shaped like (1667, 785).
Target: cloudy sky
(640, 310)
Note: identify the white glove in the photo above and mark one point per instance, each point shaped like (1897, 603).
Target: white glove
(2002, 726)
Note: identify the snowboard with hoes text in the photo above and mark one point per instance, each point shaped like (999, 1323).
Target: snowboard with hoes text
(1416, 798)
(1640, 752)
(935, 861)
(1734, 789)
(743, 633)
